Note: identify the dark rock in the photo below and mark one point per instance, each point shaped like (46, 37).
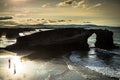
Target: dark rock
(104, 39)
(13, 32)
(66, 39)
(0, 34)
(59, 42)
(12, 35)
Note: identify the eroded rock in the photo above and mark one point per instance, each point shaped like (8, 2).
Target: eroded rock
(69, 38)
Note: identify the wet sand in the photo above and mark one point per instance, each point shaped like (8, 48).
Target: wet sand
(54, 69)
(87, 73)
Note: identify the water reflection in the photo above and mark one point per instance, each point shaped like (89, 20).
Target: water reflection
(12, 68)
(54, 69)
(5, 42)
(107, 65)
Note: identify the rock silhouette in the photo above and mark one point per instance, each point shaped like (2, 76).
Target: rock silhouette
(58, 42)
(66, 39)
(13, 32)
(104, 39)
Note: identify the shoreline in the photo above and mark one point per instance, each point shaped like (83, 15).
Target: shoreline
(71, 68)
(88, 73)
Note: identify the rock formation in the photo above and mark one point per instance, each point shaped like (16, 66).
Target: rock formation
(104, 39)
(65, 39)
(13, 32)
(59, 38)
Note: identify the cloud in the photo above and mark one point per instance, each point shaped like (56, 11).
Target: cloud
(95, 6)
(45, 5)
(87, 22)
(80, 4)
(61, 21)
(72, 3)
(47, 21)
(66, 3)
(7, 23)
(5, 18)
(52, 21)
(20, 15)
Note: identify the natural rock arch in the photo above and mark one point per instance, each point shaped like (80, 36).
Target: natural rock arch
(68, 38)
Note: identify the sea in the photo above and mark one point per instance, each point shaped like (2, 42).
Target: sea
(12, 68)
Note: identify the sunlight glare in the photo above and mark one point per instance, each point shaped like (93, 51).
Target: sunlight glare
(16, 65)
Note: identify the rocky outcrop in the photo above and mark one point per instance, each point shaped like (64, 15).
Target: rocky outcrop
(104, 39)
(59, 38)
(64, 39)
(13, 32)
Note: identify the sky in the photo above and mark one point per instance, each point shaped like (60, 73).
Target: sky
(99, 12)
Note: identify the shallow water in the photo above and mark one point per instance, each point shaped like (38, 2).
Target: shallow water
(109, 66)
(12, 68)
